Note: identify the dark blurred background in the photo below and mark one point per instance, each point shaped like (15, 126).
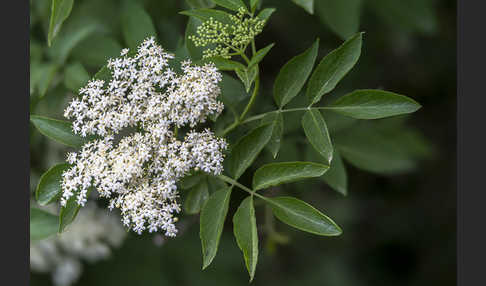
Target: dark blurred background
(399, 229)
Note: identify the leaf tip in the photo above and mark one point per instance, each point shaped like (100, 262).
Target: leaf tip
(337, 230)
(206, 263)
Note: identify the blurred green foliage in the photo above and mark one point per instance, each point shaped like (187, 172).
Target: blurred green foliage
(398, 228)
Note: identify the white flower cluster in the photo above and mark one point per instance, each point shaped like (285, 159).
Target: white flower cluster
(139, 174)
(90, 237)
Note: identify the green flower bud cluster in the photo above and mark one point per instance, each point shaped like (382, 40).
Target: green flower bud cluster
(226, 38)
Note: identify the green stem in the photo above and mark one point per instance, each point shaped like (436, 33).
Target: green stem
(252, 98)
(229, 128)
(245, 57)
(260, 116)
(235, 183)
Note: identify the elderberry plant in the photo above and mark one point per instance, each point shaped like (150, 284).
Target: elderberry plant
(154, 138)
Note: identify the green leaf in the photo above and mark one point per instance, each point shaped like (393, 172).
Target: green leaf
(315, 130)
(293, 74)
(69, 212)
(230, 4)
(245, 151)
(58, 130)
(136, 24)
(35, 75)
(308, 5)
(258, 57)
(373, 104)
(75, 77)
(95, 50)
(253, 5)
(336, 122)
(49, 187)
(212, 218)
(333, 68)
(181, 54)
(191, 29)
(200, 3)
(204, 15)
(411, 16)
(190, 181)
(342, 16)
(103, 74)
(265, 14)
(196, 198)
(41, 77)
(215, 184)
(303, 216)
(245, 231)
(277, 122)
(336, 177)
(42, 224)
(64, 45)
(224, 64)
(368, 148)
(275, 174)
(60, 10)
(247, 76)
(233, 94)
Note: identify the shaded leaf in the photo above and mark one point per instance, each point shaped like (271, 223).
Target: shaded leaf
(75, 77)
(191, 28)
(369, 148)
(58, 130)
(230, 4)
(95, 50)
(215, 184)
(336, 177)
(64, 45)
(204, 14)
(212, 218)
(69, 212)
(233, 94)
(253, 5)
(247, 76)
(333, 68)
(277, 122)
(190, 181)
(292, 76)
(315, 130)
(41, 76)
(224, 64)
(42, 224)
(200, 3)
(260, 54)
(412, 15)
(266, 13)
(196, 198)
(245, 151)
(49, 187)
(336, 122)
(60, 10)
(342, 16)
(303, 216)
(275, 174)
(245, 231)
(136, 24)
(307, 5)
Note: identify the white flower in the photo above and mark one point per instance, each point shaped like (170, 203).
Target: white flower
(139, 174)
